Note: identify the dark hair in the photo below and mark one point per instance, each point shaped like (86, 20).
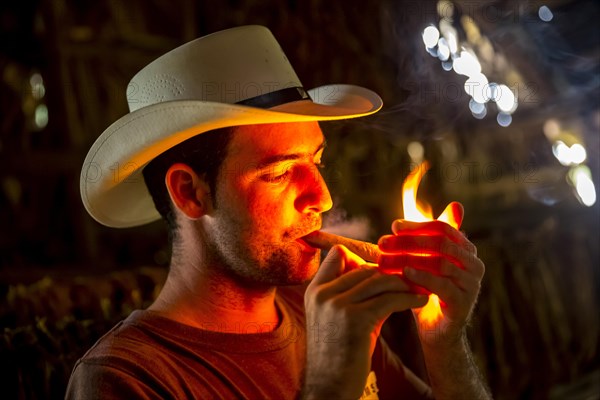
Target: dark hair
(204, 153)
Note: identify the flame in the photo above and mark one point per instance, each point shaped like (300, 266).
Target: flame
(413, 210)
(432, 311)
(452, 215)
(421, 212)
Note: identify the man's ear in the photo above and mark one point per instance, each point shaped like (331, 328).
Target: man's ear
(189, 192)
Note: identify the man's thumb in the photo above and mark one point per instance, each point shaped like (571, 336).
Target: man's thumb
(338, 261)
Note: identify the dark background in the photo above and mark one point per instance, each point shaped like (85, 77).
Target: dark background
(65, 279)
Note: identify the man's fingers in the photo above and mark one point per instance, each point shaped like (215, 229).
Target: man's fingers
(427, 252)
(375, 285)
(422, 245)
(387, 303)
(338, 260)
(402, 227)
(475, 266)
(463, 279)
(346, 281)
(443, 287)
(395, 263)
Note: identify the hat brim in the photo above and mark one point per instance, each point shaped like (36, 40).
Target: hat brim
(111, 183)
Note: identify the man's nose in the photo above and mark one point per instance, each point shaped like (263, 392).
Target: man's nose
(314, 196)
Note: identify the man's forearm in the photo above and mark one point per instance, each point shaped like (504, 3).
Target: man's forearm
(453, 373)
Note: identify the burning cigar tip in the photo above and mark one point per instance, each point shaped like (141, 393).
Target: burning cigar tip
(325, 241)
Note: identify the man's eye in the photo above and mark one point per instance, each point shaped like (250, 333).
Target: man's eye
(272, 178)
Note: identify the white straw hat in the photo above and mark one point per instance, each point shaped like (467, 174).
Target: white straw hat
(239, 76)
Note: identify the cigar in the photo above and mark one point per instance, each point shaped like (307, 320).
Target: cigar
(325, 241)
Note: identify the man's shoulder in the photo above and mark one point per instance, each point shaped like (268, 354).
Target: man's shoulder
(124, 360)
(117, 344)
(145, 356)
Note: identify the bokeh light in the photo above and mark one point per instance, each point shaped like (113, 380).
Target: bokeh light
(504, 119)
(431, 35)
(476, 107)
(415, 151)
(581, 178)
(505, 99)
(545, 14)
(443, 49)
(467, 64)
(41, 116)
(551, 129)
(476, 87)
(566, 155)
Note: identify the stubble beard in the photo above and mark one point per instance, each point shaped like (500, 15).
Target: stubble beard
(261, 263)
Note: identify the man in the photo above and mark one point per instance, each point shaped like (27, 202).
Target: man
(229, 147)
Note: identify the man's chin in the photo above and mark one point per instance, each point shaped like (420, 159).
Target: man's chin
(302, 269)
(290, 264)
(308, 267)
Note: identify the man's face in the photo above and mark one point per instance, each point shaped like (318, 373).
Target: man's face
(269, 194)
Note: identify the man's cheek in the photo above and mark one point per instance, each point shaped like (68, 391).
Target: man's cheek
(263, 214)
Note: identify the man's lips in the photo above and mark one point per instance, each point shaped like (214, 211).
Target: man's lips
(307, 232)
(304, 243)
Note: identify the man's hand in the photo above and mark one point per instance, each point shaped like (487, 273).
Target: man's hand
(346, 304)
(451, 270)
(438, 258)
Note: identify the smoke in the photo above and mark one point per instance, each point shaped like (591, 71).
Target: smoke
(337, 222)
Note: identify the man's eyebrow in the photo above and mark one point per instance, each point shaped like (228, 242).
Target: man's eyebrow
(277, 158)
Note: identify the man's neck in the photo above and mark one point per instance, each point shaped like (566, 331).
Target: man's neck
(209, 300)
